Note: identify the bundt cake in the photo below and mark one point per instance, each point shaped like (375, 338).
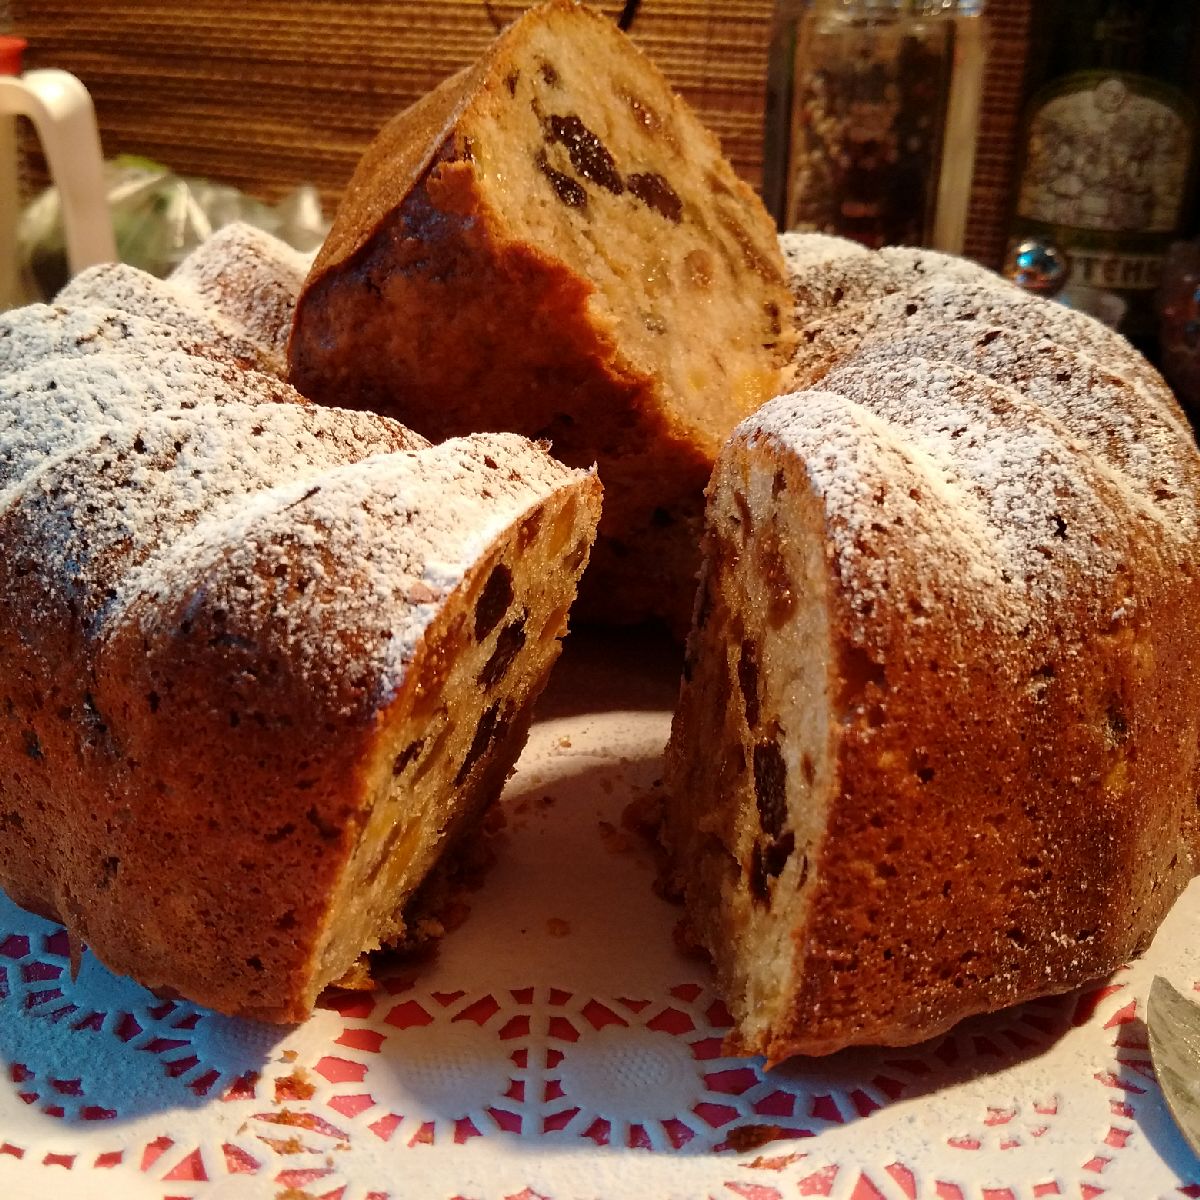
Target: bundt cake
(552, 243)
(936, 749)
(260, 661)
(236, 291)
(251, 280)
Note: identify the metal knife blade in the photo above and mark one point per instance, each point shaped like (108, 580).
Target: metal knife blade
(1173, 1023)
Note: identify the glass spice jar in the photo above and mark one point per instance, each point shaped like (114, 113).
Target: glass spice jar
(881, 91)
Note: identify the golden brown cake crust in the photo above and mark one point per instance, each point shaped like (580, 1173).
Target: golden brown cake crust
(429, 303)
(991, 839)
(220, 607)
(1005, 533)
(588, 404)
(398, 156)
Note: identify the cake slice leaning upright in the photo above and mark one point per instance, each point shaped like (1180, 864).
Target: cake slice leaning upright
(551, 243)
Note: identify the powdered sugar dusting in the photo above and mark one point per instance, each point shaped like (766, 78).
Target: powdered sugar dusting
(939, 299)
(232, 297)
(251, 280)
(178, 361)
(121, 492)
(67, 371)
(1020, 445)
(868, 474)
(1139, 446)
(827, 272)
(134, 294)
(810, 251)
(913, 263)
(1036, 510)
(1118, 431)
(381, 544)
(139, 464)
(76, 328)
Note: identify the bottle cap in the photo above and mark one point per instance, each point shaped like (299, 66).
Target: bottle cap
(1037, 266)
(11, 51)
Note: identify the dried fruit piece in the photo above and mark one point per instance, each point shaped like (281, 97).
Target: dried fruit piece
(776, 855)
(752, 256)
(748, 681)
(645, 116)
(700, 267)
(757, 875)
(588, 154)
(656, 193)
(407, 756)
(565, 188)
(767, 860)
(771, 565)
(494, 600)
(491, 728)
(508, 644)
(770, 787)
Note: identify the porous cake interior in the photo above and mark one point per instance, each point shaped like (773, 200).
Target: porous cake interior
(628, 188)
(750, 765)
(450, 740)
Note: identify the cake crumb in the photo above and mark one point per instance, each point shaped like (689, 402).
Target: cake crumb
(557, 927)
(292, 1145)
(295, 1086)
(289, 1056)
(301, 1120)
(686, 941)
(776, 1162)
(455, 915)
(529, 803)
(750, 1137)
(643, 815)
(564, 743)
(357, 979)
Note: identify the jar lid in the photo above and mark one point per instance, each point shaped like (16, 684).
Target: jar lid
(12, 50)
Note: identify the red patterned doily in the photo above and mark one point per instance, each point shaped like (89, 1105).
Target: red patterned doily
(558, 1046)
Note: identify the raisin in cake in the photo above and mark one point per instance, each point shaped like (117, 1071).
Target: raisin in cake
(261, 661)
(936, 750)
(551, 243)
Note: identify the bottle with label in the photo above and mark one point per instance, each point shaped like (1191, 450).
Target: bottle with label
(1110, 146)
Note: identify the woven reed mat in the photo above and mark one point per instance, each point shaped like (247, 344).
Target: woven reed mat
(266, 94)
(999, 128)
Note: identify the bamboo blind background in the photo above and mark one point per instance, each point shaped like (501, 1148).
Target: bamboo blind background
(1008, 23)
(266, 94)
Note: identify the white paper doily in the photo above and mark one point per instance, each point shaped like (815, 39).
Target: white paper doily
(559, 1046)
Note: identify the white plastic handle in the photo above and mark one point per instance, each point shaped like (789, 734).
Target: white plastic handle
(62, 113)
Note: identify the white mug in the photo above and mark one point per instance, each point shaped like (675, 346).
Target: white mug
(65, 121)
